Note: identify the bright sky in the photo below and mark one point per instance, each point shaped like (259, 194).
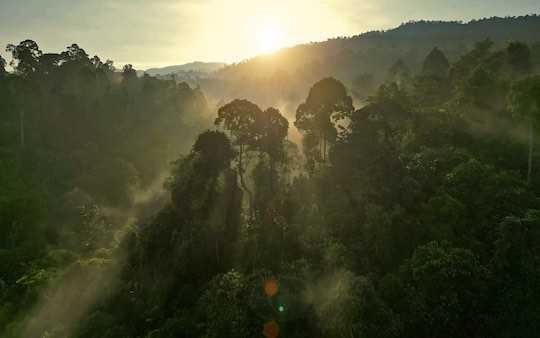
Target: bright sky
(156, 33)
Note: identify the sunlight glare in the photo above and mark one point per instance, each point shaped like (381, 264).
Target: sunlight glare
(268, 36)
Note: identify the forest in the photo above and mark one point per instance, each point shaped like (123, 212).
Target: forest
(408, 205)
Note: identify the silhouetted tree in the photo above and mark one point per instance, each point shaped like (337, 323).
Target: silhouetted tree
(75, 53)
(215, 149)
(2, 66)
(435, 64)
(239, 117)
(128, 72)
(25, 57)
(272, 128)
(327, 102)
(519, 57)
(48, 62)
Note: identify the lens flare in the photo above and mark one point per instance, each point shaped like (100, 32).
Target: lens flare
(271, 287)
(270, 329)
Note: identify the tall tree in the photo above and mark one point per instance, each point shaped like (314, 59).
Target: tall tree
(48, 61)
(435, 64)
(254, 130)
(327, 102)
(239, 118)
(25, 57)
(519, 57)
(128, 72)
(75, 53)
(2, 66)
(524, 103)
(272, 129)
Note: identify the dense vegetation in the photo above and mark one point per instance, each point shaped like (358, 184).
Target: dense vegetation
(417, 215)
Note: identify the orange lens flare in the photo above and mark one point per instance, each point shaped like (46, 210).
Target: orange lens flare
(270, 329)
(271, 287)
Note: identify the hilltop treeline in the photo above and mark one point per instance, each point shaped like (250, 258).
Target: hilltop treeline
(282, 78)
(417, 215)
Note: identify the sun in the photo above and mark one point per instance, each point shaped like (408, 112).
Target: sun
(268, 37)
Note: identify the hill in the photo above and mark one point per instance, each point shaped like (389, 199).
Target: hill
(192, 67)
(280, 78)
(409, 41)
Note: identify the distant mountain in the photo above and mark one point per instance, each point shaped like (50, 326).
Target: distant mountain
(282, 79)
(193, 67)
(409, 42)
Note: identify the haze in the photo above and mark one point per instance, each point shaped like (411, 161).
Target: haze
(164, 32)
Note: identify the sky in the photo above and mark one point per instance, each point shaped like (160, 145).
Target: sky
(157, 33)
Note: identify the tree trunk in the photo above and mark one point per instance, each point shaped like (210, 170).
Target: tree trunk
(529, 167)
(243, 183)
(248, 192)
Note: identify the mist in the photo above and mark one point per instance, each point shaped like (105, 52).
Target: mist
(381, 185)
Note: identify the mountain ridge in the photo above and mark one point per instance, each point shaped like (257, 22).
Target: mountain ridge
(194, 67)
(454, 37)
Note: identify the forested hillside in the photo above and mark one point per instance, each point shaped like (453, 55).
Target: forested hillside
(415, 214)
(77, 137)
(361, 62)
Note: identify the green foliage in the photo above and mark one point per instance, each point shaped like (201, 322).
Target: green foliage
(353, 308)
(2, 66)
(327, 103)
(239, 117)
(435, 64)
(91, 230)
(225, 304)
(100, 324)
(421, 223)
(519, 57)
(112, 181)
(523, 98)
(516, 262)
(444, 290)
(254, 130)
(25, 56)
(215, 149)
(470, 60)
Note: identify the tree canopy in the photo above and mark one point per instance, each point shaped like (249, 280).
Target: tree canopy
(125, 212)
